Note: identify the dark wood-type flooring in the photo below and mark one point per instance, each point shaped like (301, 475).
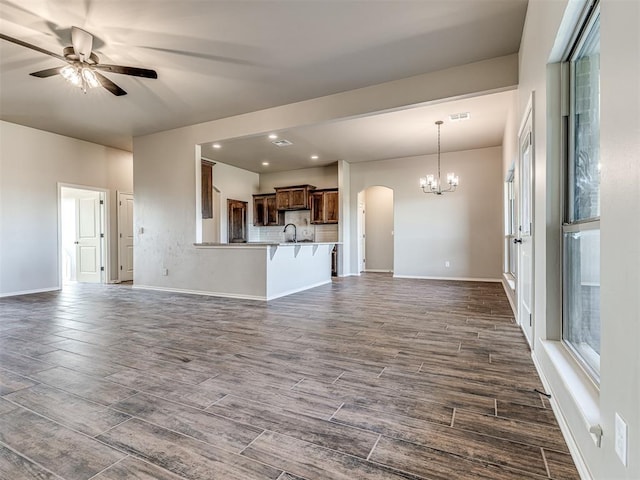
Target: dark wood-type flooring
(366, 378)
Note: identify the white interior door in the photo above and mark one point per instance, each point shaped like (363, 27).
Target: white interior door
(525, 229)
(88, 239)
(125, 236)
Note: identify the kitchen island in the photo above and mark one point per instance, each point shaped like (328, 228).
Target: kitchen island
(263, 271)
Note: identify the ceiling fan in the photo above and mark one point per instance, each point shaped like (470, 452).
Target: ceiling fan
(83, 64)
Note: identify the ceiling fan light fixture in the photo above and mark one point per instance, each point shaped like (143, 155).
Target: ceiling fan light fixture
(83, 63)
(71, 75)
(90, 77)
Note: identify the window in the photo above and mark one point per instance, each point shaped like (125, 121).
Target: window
(511, 222)
(581, 228)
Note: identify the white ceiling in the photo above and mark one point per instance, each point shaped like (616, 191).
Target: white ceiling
(397, 134)
(221, 58)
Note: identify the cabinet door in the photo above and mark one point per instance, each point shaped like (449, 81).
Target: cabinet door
(237, 224)
(317, 207)
(331, 207)
(272, 215)
(298, 198)
(283, 200)
(207, 189)
(259, 211)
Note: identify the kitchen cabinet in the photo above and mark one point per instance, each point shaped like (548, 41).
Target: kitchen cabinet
(237, 221)
(265, 213)
(293, 198)
(207, 189)
(324, 206)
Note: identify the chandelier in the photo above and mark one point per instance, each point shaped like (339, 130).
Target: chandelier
(433, 184)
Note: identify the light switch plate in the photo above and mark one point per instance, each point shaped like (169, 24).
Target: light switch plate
(621, 439)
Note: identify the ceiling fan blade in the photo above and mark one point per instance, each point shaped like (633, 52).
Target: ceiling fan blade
(49, 72)
(82, 42)
(136, 72)
(32, 47)
(109, 85)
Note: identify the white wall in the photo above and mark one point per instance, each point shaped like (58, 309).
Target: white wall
(463, 227)
(547, 28)
(620, 230)
(379, 229)
(319, 177)
(32, 162)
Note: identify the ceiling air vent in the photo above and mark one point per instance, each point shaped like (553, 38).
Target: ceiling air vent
(282, 143)
(456, 117)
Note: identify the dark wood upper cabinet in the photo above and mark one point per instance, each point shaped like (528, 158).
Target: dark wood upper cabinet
(324, 206)
(265, 212)
(237, 221)
(207, 189)
(293, 198)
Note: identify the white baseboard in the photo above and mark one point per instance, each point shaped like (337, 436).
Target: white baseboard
(581, 466)
(377, 270)
(513, 306)
(201, 292)
(457, 279)
(29, 292)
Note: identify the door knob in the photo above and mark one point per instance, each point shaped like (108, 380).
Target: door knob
(76, 242)
(517, 240)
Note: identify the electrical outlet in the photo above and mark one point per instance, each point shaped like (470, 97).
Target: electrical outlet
(621, 439)
(447, 264)
(165, 272)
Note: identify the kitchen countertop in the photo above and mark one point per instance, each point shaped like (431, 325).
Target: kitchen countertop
(261, 244)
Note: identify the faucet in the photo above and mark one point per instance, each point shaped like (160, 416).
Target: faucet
(294, 231)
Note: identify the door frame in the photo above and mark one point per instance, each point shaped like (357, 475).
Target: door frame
(526, 128)
(105, 244)
(119, 232)
(361, 232)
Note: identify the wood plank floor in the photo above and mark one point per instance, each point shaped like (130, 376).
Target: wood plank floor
(366, 378)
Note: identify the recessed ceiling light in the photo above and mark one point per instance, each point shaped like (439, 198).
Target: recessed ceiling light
(456, 117)
(314, 157)
(216, 145)
(266, 164)
(273, 136)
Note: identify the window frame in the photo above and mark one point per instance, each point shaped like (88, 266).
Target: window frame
(510, 227)
(588, 22)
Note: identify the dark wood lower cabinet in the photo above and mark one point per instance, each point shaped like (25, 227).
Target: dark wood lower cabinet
(237, 221)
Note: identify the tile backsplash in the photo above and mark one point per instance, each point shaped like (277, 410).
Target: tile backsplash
(305, 230)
